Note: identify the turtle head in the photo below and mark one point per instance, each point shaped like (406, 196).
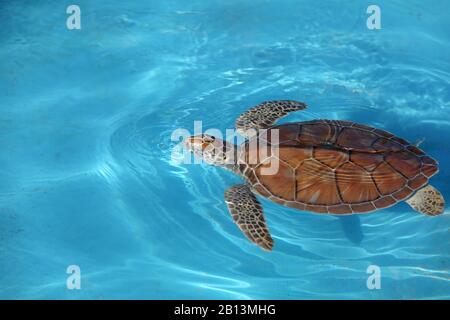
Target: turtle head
(211, 149)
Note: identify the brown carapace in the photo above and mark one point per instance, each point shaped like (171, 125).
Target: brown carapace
(337, 167)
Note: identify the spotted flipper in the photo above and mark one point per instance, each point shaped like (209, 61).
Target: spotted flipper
(248, 214)
(427, 200)
(264, 115)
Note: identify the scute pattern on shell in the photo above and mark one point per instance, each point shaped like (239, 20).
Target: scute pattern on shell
(339, 167)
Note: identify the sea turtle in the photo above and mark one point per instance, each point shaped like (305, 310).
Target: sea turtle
(323, 166)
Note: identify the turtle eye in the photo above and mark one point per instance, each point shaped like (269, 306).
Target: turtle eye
(209, 138)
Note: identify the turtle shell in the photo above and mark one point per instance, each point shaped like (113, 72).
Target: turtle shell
(336, 167)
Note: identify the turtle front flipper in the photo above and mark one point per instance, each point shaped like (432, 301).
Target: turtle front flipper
(264, 115)
(248, 214)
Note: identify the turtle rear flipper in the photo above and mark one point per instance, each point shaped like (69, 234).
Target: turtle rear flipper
(248, 214)
(427, 200)
(265, 114)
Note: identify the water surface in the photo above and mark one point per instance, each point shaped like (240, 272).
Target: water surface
(86, 174)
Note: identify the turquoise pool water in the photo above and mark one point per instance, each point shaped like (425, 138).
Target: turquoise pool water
(86, 170)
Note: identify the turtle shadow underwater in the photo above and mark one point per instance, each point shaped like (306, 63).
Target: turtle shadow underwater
(351, 227)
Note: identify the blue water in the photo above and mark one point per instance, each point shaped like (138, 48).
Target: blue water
(86, 170)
